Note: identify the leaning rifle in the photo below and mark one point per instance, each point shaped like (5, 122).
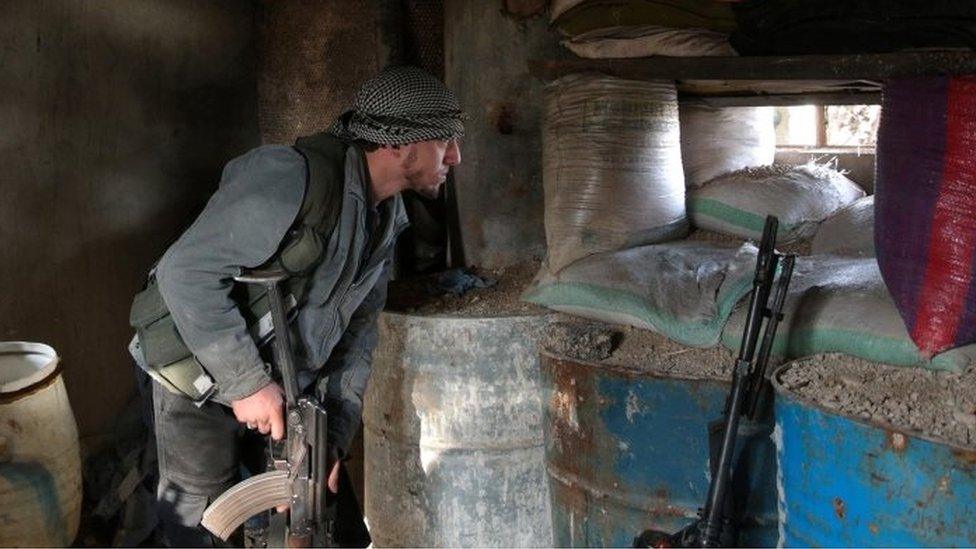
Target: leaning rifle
(715, 527)
(299, 479)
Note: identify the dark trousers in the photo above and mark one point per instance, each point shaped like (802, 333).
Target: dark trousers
(201, 452)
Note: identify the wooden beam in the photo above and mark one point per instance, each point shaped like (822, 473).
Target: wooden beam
(798, 67)
(783, 100)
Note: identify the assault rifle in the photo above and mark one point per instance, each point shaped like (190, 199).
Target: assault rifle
(750, 385)
(299, 478)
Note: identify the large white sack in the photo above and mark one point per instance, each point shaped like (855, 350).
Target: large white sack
(648, 40)
(611, 166)
(684, 290)
(850, 231)
(559, 7)
(840, 304)
(800, 196)
(716, 141)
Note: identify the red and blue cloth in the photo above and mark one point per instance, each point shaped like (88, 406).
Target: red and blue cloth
(925, 207)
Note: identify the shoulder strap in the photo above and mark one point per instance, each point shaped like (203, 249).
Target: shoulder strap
(321, 207)
(326, 158)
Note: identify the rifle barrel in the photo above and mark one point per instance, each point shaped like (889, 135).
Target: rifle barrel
(758, 381)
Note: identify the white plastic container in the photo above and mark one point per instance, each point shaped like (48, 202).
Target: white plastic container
(40, 463)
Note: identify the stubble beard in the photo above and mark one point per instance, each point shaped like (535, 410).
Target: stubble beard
(415, 178)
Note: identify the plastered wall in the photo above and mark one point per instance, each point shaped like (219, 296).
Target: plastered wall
(499, 183)
(116, 117)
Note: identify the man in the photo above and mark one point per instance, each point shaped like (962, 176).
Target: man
(400, 134)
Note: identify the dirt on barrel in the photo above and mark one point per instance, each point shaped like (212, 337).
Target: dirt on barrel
(800, 247)
(941, 405)
(413, 295)
(635, 349)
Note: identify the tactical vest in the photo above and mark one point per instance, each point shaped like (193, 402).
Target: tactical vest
(167, 358)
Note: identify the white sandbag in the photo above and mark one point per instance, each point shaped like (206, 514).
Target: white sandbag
(800, 196)
(850, 231)
(716, 141)
(648, 40)
(611, 166)
(839, 304)
(684, 290)
(559, 7)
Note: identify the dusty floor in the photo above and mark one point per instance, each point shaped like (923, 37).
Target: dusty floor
(502, 299)
(938, 404)
(635, 349)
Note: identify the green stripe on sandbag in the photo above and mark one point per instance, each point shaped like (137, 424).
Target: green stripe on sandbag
(581, 295)
(885, 350)
(709, 207)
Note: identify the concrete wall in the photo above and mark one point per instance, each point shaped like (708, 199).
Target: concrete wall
(499, 182)
(314, 55)
(116, 119)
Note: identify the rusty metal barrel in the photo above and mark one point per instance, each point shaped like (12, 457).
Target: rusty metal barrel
(627, 451)
(453, 434)
(847, 481)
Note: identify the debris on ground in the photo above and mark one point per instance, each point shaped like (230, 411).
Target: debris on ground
(503, 298)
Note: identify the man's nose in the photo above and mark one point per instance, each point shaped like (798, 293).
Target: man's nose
(453, 155)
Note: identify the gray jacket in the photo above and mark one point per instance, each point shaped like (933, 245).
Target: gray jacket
(243, 224)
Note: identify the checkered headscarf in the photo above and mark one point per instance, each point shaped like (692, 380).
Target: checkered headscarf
(401, 105)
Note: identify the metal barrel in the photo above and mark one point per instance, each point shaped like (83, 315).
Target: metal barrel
(453, 434)
(627, 450)
(850, 482)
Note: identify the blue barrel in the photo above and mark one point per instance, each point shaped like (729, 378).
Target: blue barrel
(855, 483)
(627, 451)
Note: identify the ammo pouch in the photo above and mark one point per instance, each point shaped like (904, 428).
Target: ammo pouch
(167, 358)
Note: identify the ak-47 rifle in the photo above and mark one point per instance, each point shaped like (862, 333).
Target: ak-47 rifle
(715, 527)
(299, 480)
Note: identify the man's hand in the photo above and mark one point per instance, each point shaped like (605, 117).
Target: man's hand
(333, 482)
(263, 410)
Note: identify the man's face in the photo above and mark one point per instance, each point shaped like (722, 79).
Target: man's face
(426, 163)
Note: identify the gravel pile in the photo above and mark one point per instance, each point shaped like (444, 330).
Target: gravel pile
(937, 404)
(587, 341)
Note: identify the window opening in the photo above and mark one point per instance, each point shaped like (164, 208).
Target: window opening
(831, 126)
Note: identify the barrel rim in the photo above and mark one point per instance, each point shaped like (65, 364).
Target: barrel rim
(23, 348)
(781, 390)
(624, 371)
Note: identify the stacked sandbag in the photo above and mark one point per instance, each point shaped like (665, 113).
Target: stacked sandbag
(611, 166)
(575, 17)
(838, 304)
(559, 7)
(925, 213)
(625, 42)
(790, 27)
(800, 196)
(848, 232)
(684, 290)
(716, 141)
